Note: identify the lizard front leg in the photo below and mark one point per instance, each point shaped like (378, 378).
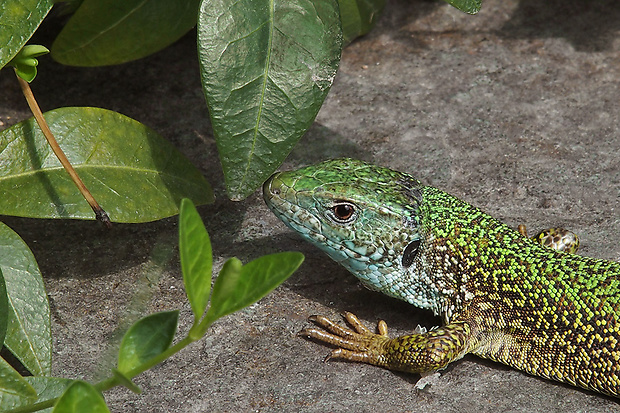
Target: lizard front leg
(413, 353)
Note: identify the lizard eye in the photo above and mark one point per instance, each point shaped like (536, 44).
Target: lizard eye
(343, 212)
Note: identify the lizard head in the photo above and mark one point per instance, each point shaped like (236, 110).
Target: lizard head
(363, 216)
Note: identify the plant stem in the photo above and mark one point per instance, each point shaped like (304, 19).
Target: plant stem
(110, 382)
(100, 214)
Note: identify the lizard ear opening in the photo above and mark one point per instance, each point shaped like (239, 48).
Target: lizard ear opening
(411, 251)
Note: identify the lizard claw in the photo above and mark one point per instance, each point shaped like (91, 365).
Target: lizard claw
(357, 343)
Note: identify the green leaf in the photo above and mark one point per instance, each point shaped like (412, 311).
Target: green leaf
(4, 309)
(48, 388)
(146, 339)
(109, 32)
(467, 6)
(28, 334)
(15, 391)
(224, 291)
(18, 21)
(266, 68)
(81, 397)
(135, 174)
(25, 62)
(196, 258)
(238, 286)
(358, 17)
(45, 387)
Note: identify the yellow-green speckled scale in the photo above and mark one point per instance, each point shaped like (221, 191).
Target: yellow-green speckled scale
(502, 296)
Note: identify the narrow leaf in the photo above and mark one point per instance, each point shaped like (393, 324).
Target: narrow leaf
(467, 6)
(239, 286)
(108, 32)
(224, 290)
(18, 20)
(15, 391)
(266, 67)
(135, 174)
(28, 334)
(81, 397)
(4, 309)
(196, 258)
(358, 17)
(146, 339)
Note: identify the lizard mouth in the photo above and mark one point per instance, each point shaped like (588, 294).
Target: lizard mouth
(271, 188)
(276, 193)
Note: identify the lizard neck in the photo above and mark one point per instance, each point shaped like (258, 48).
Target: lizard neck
(457, 241)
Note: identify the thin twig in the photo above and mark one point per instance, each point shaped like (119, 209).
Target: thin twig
(100, 214)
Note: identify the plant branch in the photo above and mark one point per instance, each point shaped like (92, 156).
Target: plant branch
(110, 382)
(100, 214)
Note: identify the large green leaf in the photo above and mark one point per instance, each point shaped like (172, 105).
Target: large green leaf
(467, 6)
(45, 388)
(4, 308)
(48, 387)
(135, 174)
(108, 32)
(28, 334)
(266, 68)
(15, 391)
(81, 397)
(238, 286)
(358, 17)
(196, 258)
(146, 339)
(18, 21)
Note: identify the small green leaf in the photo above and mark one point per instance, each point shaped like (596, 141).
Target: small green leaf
(109, 32)
(4, 308)
(25, 62)
(467, 6)
(266, 68)
(81, 397)
(26, 72)
(15, 391)
(238, 286)
(358, 17)
(134, 173)
(28, 335)
(19, 19)
(196, 258)
(223, 298)
(146, 339)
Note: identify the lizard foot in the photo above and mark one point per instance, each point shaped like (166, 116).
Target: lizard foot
(357, 343)
(558, 239)
(419, 352)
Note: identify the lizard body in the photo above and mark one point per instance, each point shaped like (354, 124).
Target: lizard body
(501, 295)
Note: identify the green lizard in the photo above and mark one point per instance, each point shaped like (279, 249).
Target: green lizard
(501, 295)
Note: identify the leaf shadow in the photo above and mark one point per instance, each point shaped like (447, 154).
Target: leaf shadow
(31, 131)
(83, 249)
(590, 26)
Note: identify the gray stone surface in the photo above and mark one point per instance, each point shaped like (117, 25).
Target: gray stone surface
(514, 110)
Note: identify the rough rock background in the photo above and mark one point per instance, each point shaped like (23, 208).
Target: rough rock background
(514, 110)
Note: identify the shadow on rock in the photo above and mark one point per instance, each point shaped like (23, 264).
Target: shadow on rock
(587, 25)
